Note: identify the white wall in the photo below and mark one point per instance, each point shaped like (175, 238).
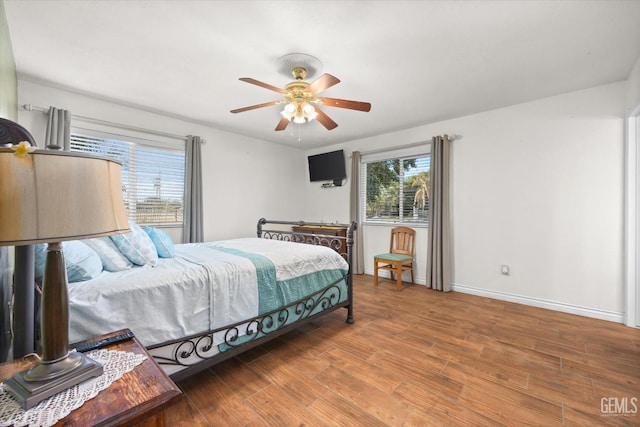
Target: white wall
(8, 82)
(244, 178)
(538, 186)
(632, 213)
(633, 88)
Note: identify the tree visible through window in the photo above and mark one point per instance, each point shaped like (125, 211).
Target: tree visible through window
(397, 190)
(152, 177)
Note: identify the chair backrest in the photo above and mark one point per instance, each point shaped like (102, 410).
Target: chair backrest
(402, 240)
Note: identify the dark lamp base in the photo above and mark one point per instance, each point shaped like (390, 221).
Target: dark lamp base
(46, 379)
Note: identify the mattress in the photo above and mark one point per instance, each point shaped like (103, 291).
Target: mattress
(204, 287)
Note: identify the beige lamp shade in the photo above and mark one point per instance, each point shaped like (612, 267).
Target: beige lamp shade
(52, 196)
(49, 197)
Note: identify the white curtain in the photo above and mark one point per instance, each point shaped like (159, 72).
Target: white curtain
(193, 230)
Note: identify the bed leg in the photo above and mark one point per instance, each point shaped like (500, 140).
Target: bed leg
(350, 319)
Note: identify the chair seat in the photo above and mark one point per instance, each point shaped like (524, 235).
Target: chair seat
(394, 257)
(400, 256)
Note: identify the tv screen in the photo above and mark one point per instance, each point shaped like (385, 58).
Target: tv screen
(327, 166)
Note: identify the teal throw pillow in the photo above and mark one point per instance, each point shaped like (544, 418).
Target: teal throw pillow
(82, 262)
(111, 257)
(137, 246)
(162, 241)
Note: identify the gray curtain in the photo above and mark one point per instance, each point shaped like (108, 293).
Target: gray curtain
(21, 321)
(357, 263)
(5, 298)
(438, 246)
(58, 134)
(193, 230)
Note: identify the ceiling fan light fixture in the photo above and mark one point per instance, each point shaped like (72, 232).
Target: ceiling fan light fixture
(289, 111)
(299, 112)
(308, 109)
(300, 95)
(309, 112)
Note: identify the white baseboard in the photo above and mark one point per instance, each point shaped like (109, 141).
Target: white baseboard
(542, 303)
(534, 302)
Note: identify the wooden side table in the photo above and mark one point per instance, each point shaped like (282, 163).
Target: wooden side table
(138, 398)
(325, 230)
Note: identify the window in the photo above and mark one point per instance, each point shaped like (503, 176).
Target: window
(395, 189)
(152, 174)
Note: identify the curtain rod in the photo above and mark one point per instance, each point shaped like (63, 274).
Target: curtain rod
(400, 147)
(29, 107)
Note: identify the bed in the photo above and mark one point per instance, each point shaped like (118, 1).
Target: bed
(214, 300)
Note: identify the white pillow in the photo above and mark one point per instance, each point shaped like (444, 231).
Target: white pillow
(111, 257)
(137, 246)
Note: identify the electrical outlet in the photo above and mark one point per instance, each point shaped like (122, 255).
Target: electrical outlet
(504, 269)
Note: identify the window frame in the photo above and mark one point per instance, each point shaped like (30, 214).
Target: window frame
(402, 153)
(147, 142)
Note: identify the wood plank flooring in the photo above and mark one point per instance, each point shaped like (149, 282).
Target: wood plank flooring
(419, 358)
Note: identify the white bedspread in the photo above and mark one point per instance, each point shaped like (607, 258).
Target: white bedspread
(198, 290)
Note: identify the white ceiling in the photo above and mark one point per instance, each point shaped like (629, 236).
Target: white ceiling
(416, 62)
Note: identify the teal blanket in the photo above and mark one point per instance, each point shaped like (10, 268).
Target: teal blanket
(275, 294)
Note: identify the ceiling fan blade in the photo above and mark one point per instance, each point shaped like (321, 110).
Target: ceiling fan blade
(345, 103)
(253, 107)
(325, 120)
(282, 124)
(324, 82)
(262, 84)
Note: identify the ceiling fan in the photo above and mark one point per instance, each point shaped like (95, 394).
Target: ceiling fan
(301, 100)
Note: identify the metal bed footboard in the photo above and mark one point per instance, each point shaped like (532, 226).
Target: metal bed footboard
(190, 355)
(195, 353)
(342, 245)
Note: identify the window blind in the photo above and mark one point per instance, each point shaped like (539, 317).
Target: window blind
(395, 189)
(152, 174)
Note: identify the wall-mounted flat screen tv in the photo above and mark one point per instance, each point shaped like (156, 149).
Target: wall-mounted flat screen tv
(327, 167)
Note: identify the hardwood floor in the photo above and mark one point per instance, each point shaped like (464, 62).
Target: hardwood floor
(419, 357)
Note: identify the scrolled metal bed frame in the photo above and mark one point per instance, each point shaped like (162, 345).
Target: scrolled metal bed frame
(189, 354)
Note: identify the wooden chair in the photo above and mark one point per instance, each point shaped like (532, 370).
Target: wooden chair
(400, 256)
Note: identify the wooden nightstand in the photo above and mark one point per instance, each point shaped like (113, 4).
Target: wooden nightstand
(327, 230)
(138, 398)
(309, 231)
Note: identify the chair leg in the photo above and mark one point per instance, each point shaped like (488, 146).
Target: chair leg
(412, 281)
(375, 272)
(399, 274)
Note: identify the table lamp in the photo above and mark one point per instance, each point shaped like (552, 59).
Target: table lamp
(50, 197)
